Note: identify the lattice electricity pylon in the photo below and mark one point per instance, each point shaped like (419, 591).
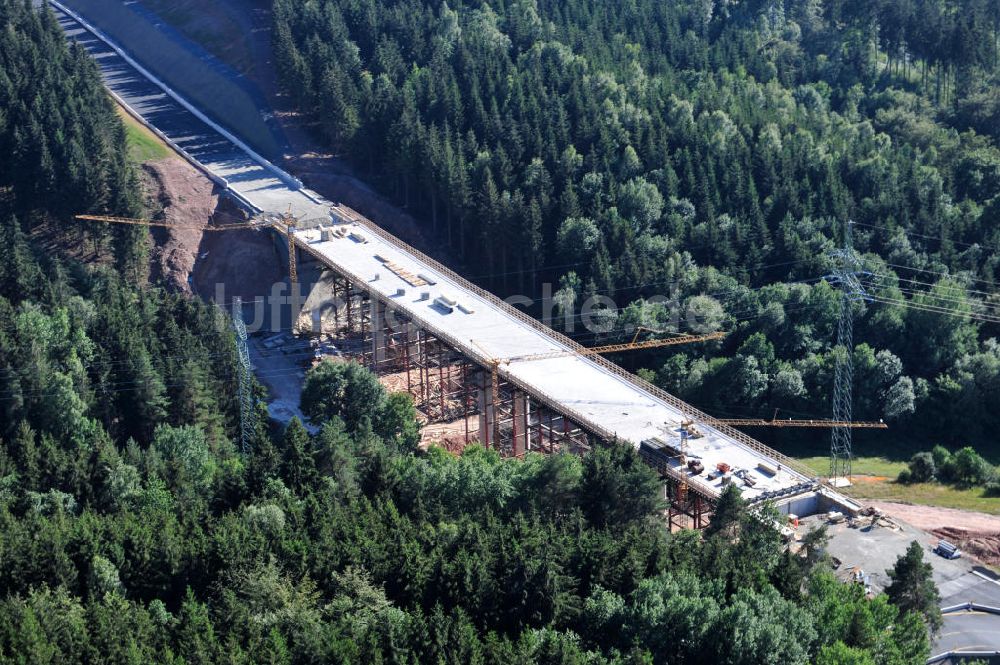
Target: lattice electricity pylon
(245, 385)
(851, 291)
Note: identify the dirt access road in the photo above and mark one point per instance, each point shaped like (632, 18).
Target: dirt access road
(976, 533)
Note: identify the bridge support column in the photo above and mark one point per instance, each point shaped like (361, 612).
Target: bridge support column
(698, 512)
(487, 413)
(378, 342)
(521, 432)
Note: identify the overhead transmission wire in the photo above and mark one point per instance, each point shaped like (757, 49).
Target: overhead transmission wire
(736, 414)
(959, 276)
(101, 364)
(934, 272)
(954, 295)
(135, 385)
(659, 282)
(132, 386)
(938, 310)
(596, 336)
(737, 316)
(929, 237)
(950, 287)
(970, 302)
(731, 316)
(978, 307)
(740, 291)
(680, 249)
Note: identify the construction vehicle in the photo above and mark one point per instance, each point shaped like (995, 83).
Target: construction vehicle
(947, 550)
(283, 223)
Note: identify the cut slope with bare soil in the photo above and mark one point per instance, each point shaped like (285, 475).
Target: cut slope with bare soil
(976, 533)
(189, 199)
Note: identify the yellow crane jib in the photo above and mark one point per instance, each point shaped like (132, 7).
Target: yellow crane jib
(285, 224)
(167, 225)
(762, 422)
(617, 348)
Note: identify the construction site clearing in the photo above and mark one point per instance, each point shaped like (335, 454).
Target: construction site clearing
(668, 433)
(695, 453)
(590, 397)
(863, 548)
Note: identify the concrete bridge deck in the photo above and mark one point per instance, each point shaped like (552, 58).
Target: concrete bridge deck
(602, 399)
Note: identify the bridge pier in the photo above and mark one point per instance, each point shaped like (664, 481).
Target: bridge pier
(487, 410)
(378, 337)
(446, 385)
(521, 435)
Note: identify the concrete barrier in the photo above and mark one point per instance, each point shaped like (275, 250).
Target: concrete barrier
(211, 175)
(970, 607)
(963, 655)
(314, 197)
(287, 178)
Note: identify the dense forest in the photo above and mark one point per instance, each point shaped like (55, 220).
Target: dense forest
(709, 151)
(62, 156)
(133, 531)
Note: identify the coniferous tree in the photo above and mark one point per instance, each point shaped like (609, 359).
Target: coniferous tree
(912, 588)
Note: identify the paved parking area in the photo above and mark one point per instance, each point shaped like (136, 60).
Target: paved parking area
(969, 631)
(959, 581)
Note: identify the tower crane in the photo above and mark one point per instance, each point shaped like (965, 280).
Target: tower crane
(789, 422)
(634, 345)
(691, 429)
(284, 224)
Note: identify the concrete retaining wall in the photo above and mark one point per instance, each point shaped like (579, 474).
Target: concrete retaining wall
(291, 181)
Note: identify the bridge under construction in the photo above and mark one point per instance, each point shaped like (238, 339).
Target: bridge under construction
(446, 335)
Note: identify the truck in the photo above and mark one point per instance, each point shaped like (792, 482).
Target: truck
(947, 550)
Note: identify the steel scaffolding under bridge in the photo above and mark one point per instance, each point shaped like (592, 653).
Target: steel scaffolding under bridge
(416, 316)
(419, 319)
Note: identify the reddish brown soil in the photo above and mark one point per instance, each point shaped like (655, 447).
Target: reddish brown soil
(244, 263)
(187, 198)
(450, 435)
(869, 479)
(237, 263)
(976, 533)
(172, 190)
(981, 545)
